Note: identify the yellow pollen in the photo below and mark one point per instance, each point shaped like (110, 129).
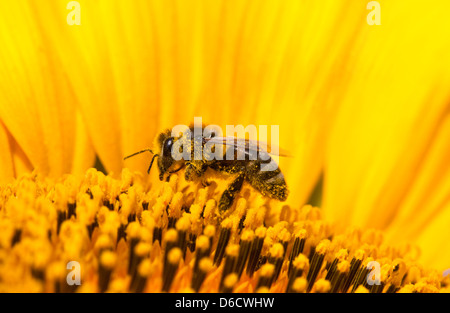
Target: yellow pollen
(343, 266)
(230, 280)
(183, 224)
(301, 262)
(300, 284)
(247, 235)
(145, 268)
(232, 250)
(108, 259)
(205, 264)
(203, 242)
(142, 249)
(321, 286)
(267, 270)
(262, 289)
(323, 246)
(171, 235)
(277, 250)
(361, 289)
(174, 255)
(342, 254)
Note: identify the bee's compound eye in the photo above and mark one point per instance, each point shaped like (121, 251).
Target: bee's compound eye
(167, 149)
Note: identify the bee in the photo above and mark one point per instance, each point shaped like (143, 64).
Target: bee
(270, 183)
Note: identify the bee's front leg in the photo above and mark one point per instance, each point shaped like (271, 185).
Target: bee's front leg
(230, 193)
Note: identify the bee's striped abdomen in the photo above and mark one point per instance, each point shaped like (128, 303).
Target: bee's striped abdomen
(269, 183)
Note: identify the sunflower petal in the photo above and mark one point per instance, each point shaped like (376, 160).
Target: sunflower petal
(6, 162)
(386, 123)
(38, 104)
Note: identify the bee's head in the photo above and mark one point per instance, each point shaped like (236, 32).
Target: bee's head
(165, 159)
(162, 151)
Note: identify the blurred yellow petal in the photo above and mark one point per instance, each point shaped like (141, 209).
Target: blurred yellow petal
(427, 201)
(83, 54)
(37, 102)
(22, 164)
(83, 154)
(396, 106)
(433, 239)
(6, 161)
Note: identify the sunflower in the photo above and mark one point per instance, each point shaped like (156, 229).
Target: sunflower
(363, 109)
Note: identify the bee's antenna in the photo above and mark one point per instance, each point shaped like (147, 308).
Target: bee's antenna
(142, 151)
(151, 163)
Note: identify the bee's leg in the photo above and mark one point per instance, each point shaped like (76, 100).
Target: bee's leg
(230, 193)
(194, 169)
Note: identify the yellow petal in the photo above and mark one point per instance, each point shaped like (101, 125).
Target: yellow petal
(6, 161)
(397, 96)
(433, 240)
(425, 208)
(37, 102)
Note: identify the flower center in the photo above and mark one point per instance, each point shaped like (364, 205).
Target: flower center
(129, 235)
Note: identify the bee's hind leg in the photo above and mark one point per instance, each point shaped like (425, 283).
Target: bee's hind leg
(230, 193)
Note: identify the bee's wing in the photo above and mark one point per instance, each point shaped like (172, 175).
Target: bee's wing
(247, 145)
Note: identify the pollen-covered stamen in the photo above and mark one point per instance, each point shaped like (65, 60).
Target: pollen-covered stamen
(204, 267)
(104, 242)
(56, 273)
(141, 251)
(224, 237)
(106, 266)
(174, 209)
(266, 275)
(210, 232)
(316, 262)
(299, 266)
(229, 282)
(339, 275)
(255, 250)
(244, 250)
(196, 225)
(170, 267)
(182, 226)
(203, 248)
(231, 257)
(384, 275)
(284, 238)
(361, 275)
(144, 270)
(171, 240)
(276, 257)
(397, 275)
(132, 232)
(158, 212)
(300, 284)
(355, 265)
(340, 256)
(148, 223)
(39, 262)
